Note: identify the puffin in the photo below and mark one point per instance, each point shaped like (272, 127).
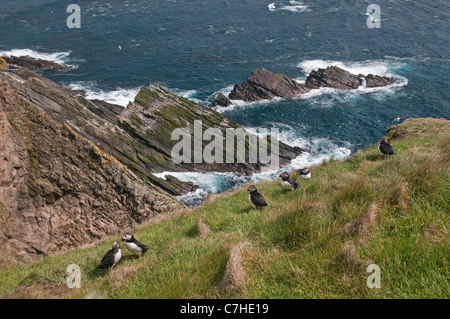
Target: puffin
(256, 198)
(385, 148)
(111, 258)
(288, 183)
(133, 245)
(304, 173)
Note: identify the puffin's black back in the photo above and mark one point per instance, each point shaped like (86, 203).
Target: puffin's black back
(386, 148)
(138, 243)
(285, 178)
(258, 199)
(293, 183)
(108, 260)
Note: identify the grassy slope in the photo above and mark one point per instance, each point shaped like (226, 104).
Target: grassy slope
(299, 247)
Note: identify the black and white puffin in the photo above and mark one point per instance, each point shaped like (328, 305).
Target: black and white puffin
(133, 245)
(111, 258)
(287, 183)
(385, 148)
(256, 198)
(304, 173)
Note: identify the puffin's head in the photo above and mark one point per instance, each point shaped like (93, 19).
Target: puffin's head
(252, 189)
(304, 171)
(126, 237)
(284, 176)
(382, 140)
(116, 245)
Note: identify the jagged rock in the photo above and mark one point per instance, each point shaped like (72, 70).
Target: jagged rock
(58, 191)
(157, 112)
(33, 63)
(221, 100)
(3, 65)
(178, 187)
(337, 78)
(378, 81)
(265, 85)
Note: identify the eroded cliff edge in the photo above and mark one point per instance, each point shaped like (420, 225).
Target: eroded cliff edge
(58, 191)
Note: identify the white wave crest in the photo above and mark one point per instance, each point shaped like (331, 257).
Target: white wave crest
(193, 198)
(293, 6)
(188, 94)
(118, 96)
(376, 67)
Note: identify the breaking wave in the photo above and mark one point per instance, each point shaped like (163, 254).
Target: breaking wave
(118, 96)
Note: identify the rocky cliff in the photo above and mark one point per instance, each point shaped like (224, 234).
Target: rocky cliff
(59, 191)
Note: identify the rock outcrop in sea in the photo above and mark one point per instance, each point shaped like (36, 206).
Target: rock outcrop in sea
(266, 85)
(221, 100)
(337, 78)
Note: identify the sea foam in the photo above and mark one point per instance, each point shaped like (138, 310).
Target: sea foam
(118, 96)
(293, 6)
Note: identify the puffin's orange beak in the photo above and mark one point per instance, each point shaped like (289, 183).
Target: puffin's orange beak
(121, 239)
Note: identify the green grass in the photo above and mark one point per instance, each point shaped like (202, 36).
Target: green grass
(297, 247)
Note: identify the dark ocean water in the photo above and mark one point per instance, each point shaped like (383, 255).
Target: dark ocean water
(198, 48)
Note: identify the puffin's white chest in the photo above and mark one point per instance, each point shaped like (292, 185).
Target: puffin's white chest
(306, 176)
(287, 185)
(132, 247)
(117, 256)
